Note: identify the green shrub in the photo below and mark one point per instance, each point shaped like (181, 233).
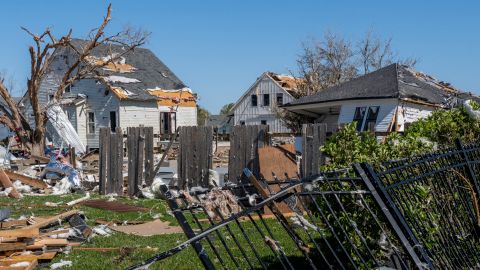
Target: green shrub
(442, 127)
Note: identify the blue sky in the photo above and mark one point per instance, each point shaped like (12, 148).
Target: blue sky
(219, 48)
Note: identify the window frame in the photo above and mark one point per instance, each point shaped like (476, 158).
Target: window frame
(266, 100)
(263, 122)
(253, 98)
(91, 125)
(366, 116)
(279, 95)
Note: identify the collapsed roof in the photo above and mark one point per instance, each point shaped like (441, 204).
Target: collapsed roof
(393, 81)
(133, 74)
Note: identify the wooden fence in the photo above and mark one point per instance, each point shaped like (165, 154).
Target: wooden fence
(140, 158)
(244, 142)
(111, 161)
(195, 157)
(313, 137)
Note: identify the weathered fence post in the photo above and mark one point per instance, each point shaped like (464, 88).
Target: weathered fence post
(313, 136)
(244, 144)
(149, 166)
(111, 161)
(195, 156)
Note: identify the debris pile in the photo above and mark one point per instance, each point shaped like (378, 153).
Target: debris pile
(26, 242)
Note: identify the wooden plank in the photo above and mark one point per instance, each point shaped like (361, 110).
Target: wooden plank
(36, 183)
(12, 223)
(53, 219)
(118, 185)
(149, 166)
(111, 162)
(131, 160)
(12, 246)
(102, 162)
(6, 183)
(27, 232)
(277, 161)
(140, 158)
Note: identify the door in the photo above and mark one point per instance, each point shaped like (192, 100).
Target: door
(168, 122)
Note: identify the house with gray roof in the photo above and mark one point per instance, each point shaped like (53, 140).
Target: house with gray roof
(138, 89)
(386, 100)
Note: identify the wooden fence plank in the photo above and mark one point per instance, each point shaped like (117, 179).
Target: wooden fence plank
(103, 160)
(149, 166)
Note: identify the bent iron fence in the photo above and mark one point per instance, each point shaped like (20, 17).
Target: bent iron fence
(421, 212)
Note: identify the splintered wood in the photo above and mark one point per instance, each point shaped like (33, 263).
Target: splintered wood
(218, 203)
(23, 248)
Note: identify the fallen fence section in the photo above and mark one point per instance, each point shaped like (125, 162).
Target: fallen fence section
(334, 222)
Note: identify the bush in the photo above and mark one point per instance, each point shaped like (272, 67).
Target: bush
(442, 128)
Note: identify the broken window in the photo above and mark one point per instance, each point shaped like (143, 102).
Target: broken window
(263, 122)
(365, 117)
(91, 122)
(266, 99)
(254, 101)
(279, 98)
(371, 117)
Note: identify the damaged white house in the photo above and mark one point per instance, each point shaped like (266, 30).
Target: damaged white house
(257, 106)
(136, 90)
(387, 100)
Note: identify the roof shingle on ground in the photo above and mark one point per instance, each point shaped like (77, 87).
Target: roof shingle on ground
(393, 81)
(138, 71)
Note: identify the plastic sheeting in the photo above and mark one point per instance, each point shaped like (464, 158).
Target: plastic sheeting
(64, 128)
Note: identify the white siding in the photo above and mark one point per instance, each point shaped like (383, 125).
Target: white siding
(186, 116)
(244, 111)
(410, 112)
(136, 113)
(385, 115)
(82, 123)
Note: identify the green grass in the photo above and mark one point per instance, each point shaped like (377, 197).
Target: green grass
(187, 259)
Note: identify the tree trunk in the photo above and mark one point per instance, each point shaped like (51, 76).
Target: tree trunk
(38, 146)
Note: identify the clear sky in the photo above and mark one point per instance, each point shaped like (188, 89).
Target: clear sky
(219, 48)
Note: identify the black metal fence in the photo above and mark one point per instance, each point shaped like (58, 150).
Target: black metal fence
(421, 212)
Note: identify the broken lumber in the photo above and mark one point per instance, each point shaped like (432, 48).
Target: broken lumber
(54, 219)
(6, 183)
(36, 183)
(27, 232)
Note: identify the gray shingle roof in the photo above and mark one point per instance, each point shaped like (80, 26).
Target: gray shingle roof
(150, 71)
(393, 81)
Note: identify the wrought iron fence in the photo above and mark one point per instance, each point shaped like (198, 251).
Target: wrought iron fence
(328, 221)
(421, 212)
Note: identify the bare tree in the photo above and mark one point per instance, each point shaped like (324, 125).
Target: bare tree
(332, 60)
(41, 56)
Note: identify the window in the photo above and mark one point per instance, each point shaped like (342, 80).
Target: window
(50, 98)
(263, 122)
(266, 99)
(365, 117)
(254, 101)
(68, 89)
(359, 116)
(113, 121)
(91, 122)
(371, 117)
(242, 123)
(279, 98)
